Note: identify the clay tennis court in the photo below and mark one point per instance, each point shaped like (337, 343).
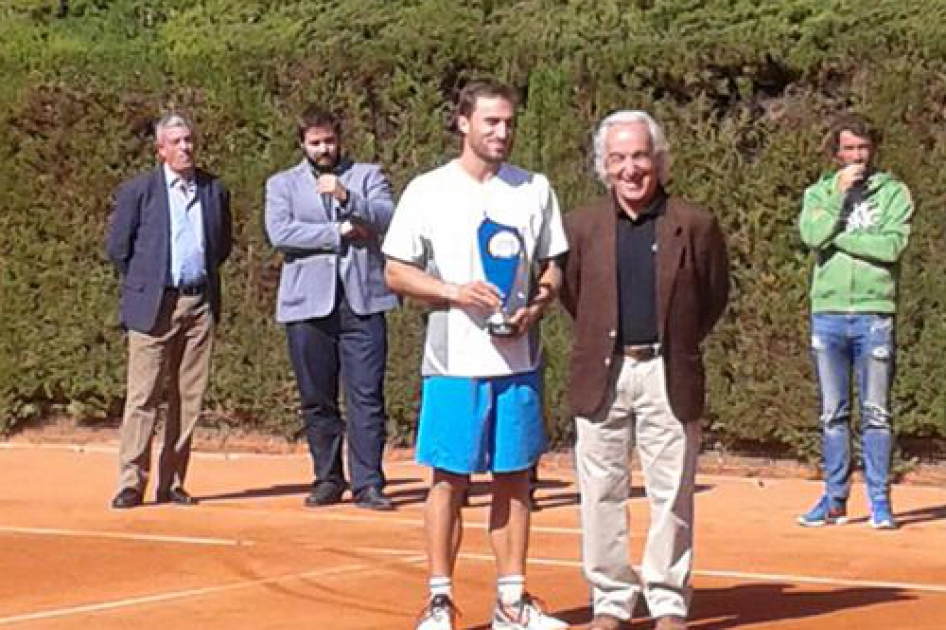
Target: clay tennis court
(250, 556)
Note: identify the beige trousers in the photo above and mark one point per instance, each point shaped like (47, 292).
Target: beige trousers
(175, 355)
(638, 413)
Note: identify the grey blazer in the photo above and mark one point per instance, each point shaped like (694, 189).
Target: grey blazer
(139, 243)
(300, 225)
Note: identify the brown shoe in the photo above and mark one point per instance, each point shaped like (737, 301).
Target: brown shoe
(606, 622)
(671, 622)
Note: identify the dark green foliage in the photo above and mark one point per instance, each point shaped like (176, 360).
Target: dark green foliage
(744, 89)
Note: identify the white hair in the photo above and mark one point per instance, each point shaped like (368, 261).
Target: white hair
(167, 122)
(658, 142)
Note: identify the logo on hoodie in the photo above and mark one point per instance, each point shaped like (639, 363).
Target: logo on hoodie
(863, 216)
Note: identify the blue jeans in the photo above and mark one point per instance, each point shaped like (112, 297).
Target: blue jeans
(865, 343)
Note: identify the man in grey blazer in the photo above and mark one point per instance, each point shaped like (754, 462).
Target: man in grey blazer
(168, 235)
(328, 215)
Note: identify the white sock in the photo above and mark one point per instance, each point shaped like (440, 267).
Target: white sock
(440, 586)
(511, 588)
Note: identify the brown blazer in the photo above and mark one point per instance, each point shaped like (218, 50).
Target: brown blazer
(692, 290)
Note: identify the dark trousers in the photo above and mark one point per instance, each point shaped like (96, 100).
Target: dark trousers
(353, 347)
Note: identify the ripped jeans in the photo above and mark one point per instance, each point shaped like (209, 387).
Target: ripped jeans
(864, 342)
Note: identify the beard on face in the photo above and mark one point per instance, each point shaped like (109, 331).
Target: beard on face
(488, 154)
(324, 162)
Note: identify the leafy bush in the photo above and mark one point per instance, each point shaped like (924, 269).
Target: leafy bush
(743, 88)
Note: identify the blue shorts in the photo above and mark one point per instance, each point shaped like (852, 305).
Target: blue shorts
(474, 425)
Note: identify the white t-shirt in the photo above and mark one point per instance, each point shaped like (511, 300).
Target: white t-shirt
(435, 227)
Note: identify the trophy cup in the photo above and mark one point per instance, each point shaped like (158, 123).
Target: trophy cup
(501, 252)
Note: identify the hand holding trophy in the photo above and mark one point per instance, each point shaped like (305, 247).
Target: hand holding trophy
(501, 251)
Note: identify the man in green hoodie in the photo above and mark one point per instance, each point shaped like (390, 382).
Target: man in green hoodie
(857, 222)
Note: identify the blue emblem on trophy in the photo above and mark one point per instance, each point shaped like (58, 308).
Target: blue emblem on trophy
(501, 252)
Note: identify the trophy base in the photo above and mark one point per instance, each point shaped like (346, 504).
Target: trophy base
(501, 329)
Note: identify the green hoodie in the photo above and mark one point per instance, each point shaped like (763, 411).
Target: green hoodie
(857, 266)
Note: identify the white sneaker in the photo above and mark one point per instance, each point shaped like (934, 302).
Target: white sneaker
(526, 614)
(439, 614)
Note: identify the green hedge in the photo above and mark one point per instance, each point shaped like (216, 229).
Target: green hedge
(743, 88)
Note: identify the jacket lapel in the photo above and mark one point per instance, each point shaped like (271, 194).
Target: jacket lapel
(163, 220)
(607, 231)
(207, 212)
(670, 249)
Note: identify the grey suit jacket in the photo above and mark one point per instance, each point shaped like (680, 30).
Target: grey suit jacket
(139, 243)
(300, 225)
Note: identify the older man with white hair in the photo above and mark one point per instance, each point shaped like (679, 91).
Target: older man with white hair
(647, 278)
(167, 237)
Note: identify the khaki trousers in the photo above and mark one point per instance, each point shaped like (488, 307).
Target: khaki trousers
(637, 413)
(176, 354)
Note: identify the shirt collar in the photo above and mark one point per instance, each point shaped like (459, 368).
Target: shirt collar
(171, 178)
(654, 209)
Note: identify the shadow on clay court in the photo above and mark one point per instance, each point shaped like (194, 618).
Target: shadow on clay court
(407, 496)
(911, 517)
(749, 604)
(921, 515)
(549, 494)
(281, 490)
(278, 490)
(746, 604)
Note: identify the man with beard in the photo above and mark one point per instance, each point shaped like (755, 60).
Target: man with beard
(857, 222)
(327, 215)
(168, 236)
(475, 239)
(646, 280)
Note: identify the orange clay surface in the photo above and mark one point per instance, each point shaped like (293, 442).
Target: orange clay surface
(251, 556)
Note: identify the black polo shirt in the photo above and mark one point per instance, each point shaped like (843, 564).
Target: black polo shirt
(637, 274)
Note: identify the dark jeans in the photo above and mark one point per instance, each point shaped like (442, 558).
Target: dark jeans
(354, 347)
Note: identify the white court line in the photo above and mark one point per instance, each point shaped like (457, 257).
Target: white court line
(738, 575)
(196, 592)
(75, 448)
(80, 533)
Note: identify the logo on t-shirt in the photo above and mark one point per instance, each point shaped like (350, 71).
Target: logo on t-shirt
(505, 245)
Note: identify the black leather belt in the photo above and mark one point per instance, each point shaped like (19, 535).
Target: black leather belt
(292, 255)
(644, 352)
(191, 289)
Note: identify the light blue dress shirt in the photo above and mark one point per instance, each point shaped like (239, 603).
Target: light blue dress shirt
(188, 266)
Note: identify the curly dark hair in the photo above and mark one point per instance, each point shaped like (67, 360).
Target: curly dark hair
(858, 125)
(317, 116)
